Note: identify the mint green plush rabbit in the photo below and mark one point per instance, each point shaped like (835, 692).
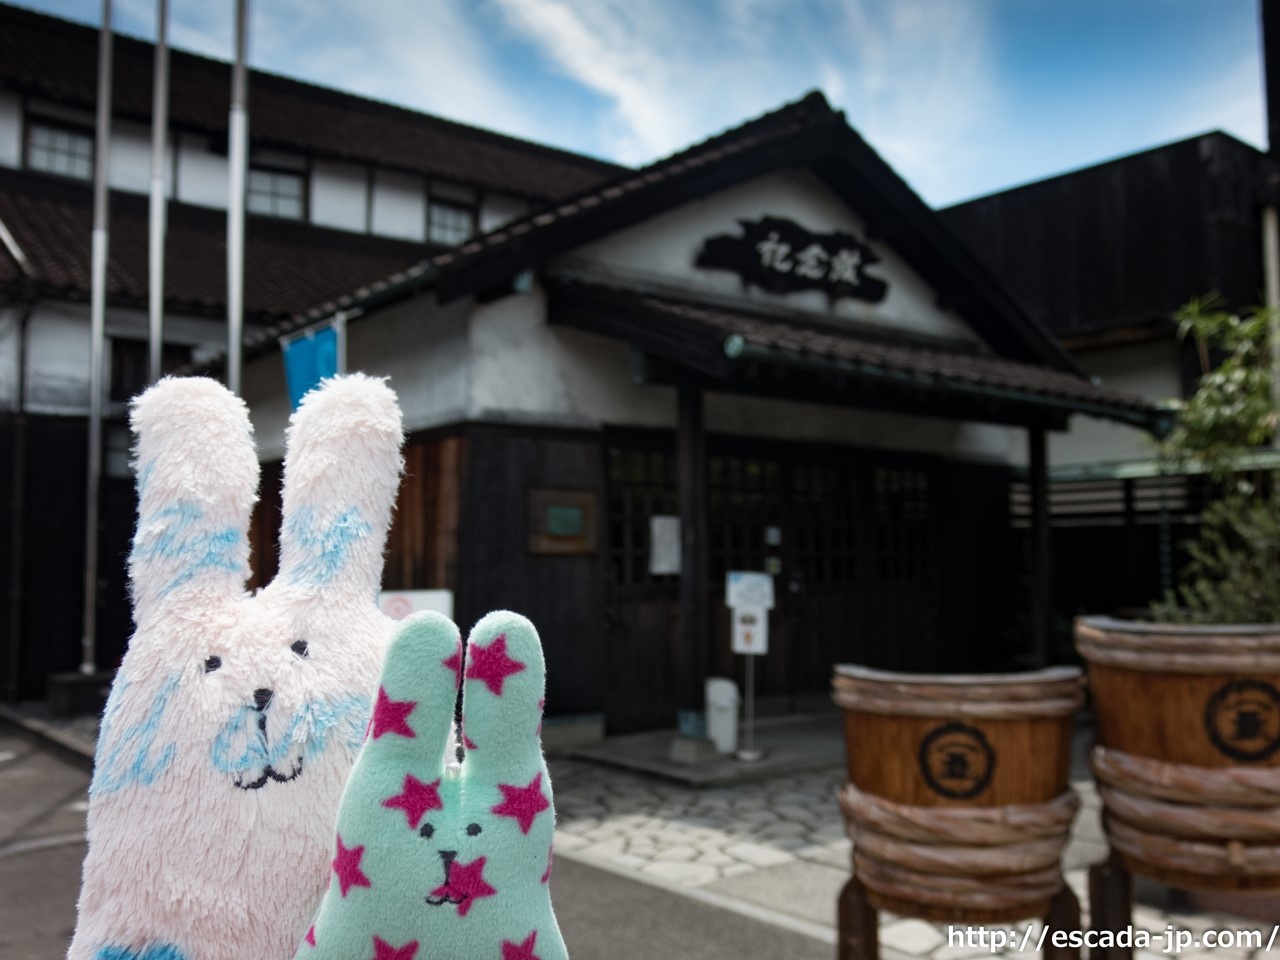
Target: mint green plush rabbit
(436, 860)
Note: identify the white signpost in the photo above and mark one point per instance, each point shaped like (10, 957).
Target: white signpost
(749, 596)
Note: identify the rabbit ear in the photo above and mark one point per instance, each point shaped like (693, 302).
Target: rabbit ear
(197, 482)
(502, 697)
(341, 472)
(413, 713)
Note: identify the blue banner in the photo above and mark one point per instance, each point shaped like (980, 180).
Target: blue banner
(308, 360)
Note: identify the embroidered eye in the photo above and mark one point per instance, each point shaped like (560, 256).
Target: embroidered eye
(473, 829)
(300, 648)
(212, 664)
(426, 831)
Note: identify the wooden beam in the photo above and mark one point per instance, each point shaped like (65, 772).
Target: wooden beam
(691, 470)
(1041, 555)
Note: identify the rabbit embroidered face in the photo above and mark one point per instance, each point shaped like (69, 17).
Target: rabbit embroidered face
(452, 858)
(234, 720)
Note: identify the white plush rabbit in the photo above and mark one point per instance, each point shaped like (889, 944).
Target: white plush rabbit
(234, 720)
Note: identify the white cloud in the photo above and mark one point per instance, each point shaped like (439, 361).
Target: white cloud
(426, 56)
(911, 72)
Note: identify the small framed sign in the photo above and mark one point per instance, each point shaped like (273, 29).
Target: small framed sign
(562, 522)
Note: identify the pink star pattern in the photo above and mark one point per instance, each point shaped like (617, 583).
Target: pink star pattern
(311, 935)
(392, 716)
(454, 663)
(465, 884)
(522, 803)
(542, 705)
(546, 874)
(415, 799)
(385, 951)
(347, 866)
(520, 951)
(491, 664)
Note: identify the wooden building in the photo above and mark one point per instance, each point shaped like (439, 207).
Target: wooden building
(1105, 256)
(768, 336)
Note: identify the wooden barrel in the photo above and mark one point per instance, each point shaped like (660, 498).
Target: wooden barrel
(958, 800)
(1188, 750)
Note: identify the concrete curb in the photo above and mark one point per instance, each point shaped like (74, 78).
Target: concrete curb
(68, 748)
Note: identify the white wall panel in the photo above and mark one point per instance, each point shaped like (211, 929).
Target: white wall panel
(399, 205)
(202, 174)
(10, 130)
(339, 195)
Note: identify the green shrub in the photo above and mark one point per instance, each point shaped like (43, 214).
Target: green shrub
(1234, 572)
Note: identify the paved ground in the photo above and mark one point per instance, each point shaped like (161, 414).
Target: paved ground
(647, 867)
(603, 916)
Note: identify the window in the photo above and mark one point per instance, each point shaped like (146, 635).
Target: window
(277, 193)
(66, 151)
(449, 223)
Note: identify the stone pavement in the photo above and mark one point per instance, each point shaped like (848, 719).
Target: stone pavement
(775, 850)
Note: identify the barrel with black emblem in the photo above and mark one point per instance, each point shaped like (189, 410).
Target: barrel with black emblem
(958, 800)
(1188, 749)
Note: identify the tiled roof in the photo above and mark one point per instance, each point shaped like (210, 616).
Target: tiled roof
(288, 265)
(721, 341)
(776, 126)
(42, 56)
(807, 132)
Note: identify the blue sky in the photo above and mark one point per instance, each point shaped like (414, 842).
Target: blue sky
(962, 97)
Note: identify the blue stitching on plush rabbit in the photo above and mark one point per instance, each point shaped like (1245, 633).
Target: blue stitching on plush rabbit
(235, 719)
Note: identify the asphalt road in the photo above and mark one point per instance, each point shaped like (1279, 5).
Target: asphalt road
(603, 916)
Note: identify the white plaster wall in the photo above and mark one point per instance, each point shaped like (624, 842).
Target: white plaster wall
(399, 205)
(58, 350)
(522, 369)
(129, 165)
(10, 319)
(664, 248)
(496, 209)
(1147, 370)
(202, 175)
(420, 347)
(423, 348)
(339, 195)
(58, 359)
(756, 416)
(10, 129)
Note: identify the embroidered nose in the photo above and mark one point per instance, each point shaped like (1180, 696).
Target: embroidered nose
(447, 856)
(262, 697)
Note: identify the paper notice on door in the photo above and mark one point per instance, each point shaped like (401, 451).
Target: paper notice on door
(664, 545)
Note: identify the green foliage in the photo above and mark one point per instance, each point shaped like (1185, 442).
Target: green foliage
(1234, 572)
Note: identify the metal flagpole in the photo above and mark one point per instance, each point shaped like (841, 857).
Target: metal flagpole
(159, 130)
(97, 334)
(238, 158)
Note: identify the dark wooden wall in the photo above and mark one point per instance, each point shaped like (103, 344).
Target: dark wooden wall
(562, 595)
(1127, 242)
(422, 548)
(51, 576)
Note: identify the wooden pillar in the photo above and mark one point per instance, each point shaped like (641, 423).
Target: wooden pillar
(691, 469)
(1041, 556)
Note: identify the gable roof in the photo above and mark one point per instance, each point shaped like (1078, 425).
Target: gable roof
(1118, 247)
(806, 133)
(56, 60)
(288, 264)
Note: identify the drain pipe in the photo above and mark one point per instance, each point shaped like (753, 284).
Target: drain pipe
(1271, 275)
(18, 502)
